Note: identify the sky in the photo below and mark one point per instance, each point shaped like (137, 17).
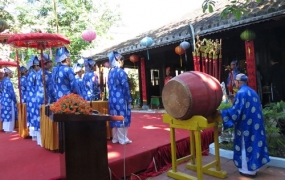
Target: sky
(140, 16)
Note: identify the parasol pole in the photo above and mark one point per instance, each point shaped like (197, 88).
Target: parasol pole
(19, 82)
(43, 76)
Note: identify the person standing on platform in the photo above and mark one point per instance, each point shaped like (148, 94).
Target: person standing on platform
(231, 77)
(90, 80)
(64, 77)
(77, 69)
(8, 103)
(250, 146)
(276, 80)
(50, 93)
(23, 83)
(168, 75)
(33, 111)
(120, 100)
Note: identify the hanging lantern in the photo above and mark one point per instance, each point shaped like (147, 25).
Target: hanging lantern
(3, 25)
(88, 35)
(185, 45)
(134, 58)
(146, 41)
(247, 35)
(179, 51)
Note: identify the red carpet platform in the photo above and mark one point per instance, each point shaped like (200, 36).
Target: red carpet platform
(147, 156)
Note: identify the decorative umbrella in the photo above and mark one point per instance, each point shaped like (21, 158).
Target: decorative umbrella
(6, 61)
(39, 41)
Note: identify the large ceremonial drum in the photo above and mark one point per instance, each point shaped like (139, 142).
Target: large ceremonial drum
(191, 93)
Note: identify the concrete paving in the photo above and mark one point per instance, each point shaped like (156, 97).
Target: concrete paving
(264, 173)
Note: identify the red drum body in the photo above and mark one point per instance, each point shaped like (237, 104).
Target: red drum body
(191, 93)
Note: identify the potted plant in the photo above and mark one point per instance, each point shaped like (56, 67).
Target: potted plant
(133, 83)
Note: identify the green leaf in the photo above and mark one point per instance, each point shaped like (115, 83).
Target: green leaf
(238, 15)
(211, 9)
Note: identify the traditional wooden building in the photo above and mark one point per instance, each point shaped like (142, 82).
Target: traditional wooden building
(266, 20)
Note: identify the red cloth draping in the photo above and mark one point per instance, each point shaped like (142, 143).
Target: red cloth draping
(210, 61)
(250, 64)
(220, 68)
(143, 80)
(215, 67)
(204, 63)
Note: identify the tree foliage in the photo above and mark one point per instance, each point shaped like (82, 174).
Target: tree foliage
(235, 7)
(71, 17)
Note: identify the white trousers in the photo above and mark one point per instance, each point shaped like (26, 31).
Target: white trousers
(244, 168)
(9, 126)
(120, 135)
(39, 137)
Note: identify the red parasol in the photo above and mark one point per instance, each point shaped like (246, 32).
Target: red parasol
(39, 41)
(5, 61)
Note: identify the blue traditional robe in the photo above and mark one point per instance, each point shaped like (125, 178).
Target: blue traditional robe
(65, 82)
(50, 93)
(39, 88)
(246, 116)
(33, 111)
(231, 77)
(119, 97)
(8, 100)
(92, 90)
(81, 87)
(1, 88)
(24, 92)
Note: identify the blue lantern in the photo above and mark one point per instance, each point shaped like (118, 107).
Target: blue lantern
(147, 41)
(185, 45)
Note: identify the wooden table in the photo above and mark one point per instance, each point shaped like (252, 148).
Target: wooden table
(49, 128)
(103, 108)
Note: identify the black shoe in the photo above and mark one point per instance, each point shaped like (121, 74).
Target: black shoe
(248, 175)
(28, 137)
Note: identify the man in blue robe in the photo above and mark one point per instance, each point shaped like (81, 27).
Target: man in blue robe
(77, 69)
(8, 102)
(23, 83)
(64, 77)
(231, 77)
(90, 81)
(50, 93)
(119, 98)
(33, 110)
(250, 146)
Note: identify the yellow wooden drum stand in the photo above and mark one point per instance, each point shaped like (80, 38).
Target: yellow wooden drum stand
(194, 125)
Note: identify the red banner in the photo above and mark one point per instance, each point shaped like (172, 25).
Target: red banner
(144, 95)
(250, 64)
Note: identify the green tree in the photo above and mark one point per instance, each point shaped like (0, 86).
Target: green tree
(74, 16)
(235, 7)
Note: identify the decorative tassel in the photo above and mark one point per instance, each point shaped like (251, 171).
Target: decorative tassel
(147, 54)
